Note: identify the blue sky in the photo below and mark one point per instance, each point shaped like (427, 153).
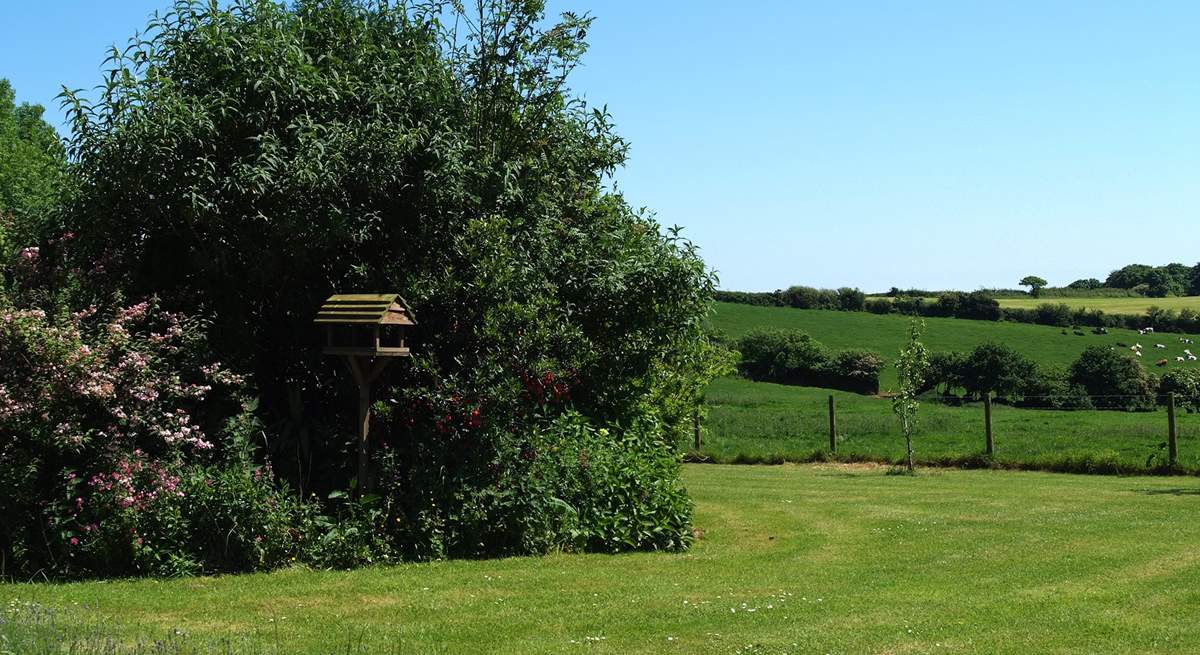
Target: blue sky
(931, 144)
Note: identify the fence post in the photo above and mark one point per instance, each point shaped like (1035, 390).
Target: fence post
(1172, 431)
(832, 426)
(696, 427)
(987, 422)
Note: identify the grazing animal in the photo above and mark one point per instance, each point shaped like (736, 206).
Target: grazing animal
(1191, 358)
(1160, 346)
(1161, 362)
(1180, 359)
(1138, 353)
(1137, 346)
(1149, 330)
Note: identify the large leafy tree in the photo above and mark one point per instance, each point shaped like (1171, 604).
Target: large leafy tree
(32, 164)
(247, 161)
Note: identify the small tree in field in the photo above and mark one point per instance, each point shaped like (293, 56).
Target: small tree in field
(911, 367)
(1034, 283)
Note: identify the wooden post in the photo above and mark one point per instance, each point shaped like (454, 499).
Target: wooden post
(1172, 431)
(987, 422)
(364, 370)
(696, 427)
(832, 426)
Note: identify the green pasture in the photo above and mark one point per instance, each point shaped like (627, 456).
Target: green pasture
(792, 559)
(884, 333)
(1132, 306)
(763, 422)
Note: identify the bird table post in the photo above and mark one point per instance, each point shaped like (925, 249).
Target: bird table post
(366, 331)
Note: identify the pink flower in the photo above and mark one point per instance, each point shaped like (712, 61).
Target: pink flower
(29, 254)
(74, 541)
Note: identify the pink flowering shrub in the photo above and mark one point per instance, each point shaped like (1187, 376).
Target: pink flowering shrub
(104, 418)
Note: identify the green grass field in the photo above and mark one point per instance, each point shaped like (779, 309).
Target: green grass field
(1134, 306)
(752, 422)
(793, 559)
(885, 333)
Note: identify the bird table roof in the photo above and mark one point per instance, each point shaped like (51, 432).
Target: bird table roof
(366, 309)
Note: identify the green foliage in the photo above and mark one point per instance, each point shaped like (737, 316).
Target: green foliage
(911, 368)
(1087, 284)
(32, 174)
(1114, 379)
(1154, 281)
(251, 159)
(996, 368)
(1034, 283)
(851, 300)
(1056, 314)
(793, 357)
(779, 354)
(1185, 384)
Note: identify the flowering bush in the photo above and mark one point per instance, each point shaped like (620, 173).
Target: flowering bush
(99, 414)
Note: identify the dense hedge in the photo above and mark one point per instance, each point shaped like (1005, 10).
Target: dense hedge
(794, 357)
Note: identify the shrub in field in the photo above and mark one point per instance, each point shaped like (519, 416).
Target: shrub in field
(944, 372)
(879, 306)
(1113, 379)
(802, 297)
(1055, 314)
(780, 355)
(1048, 388)
(855, 370)
(995, 368)
(851, 300)
(794, 357)
(976, 305)
(377, 146)
(911, 305)
(1185, 384)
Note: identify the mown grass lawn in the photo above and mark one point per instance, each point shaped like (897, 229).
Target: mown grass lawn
(794, 559)
(762, 422)
(885, 334)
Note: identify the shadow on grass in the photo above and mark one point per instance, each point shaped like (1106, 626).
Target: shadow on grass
(1194, 491)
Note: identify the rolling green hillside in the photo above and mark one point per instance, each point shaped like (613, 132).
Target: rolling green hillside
(885, 333)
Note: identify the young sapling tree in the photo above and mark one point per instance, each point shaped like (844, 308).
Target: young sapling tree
(911, 368)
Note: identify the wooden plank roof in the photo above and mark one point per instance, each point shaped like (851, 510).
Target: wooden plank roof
(366, 309)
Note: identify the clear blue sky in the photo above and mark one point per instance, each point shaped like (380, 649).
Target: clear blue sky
(932, 144)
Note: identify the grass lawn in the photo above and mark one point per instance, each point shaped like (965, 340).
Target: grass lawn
(1134, 306)
(885, 334)
(764, 422)
(794, 559)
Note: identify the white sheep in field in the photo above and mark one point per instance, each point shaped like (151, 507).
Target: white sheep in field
(1191, 358)
(1180, 359)
(1160, 346)
(1149, 330)
(1138, 353)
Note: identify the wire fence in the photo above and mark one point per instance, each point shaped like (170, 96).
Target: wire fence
(1158, 432)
